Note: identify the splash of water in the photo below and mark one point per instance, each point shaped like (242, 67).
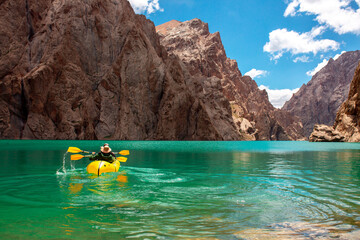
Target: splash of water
(72, 165)
(62, 170)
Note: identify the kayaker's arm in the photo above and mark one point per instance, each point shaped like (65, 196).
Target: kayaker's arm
(94, 156)
(110, 158)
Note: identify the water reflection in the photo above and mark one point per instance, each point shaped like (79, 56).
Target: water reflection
(75, 188)
(79, 182)
(90, 198)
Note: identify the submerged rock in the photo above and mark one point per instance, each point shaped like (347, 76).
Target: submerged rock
(298, 231)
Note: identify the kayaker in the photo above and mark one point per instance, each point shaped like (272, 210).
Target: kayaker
(105, 154)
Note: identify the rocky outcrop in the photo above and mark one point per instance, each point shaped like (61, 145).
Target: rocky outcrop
(348, 117)
(324, 133)
(318, 101)
(204, 56)
(96, 70)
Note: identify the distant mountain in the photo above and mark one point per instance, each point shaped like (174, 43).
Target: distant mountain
(318, 101)
(204, 56)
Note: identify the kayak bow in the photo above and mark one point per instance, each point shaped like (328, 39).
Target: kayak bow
(98, 167)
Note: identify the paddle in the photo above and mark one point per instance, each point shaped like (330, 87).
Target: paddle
(123, 152)
(78, 150)
(79, 156)
(121, 159)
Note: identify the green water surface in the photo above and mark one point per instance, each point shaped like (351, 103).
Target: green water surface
(176, 190)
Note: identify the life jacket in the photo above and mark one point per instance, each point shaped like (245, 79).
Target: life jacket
(109, 157)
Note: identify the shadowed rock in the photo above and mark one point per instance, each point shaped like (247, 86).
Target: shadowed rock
(96, 70)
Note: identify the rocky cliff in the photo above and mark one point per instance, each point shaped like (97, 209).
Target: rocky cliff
(348, 117)
(204, 55)
(95, 70)
(318, 101)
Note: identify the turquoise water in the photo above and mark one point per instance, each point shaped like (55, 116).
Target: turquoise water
(177, 190)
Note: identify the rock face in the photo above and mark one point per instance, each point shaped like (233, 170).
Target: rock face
(318, 101)
(95, 70)
(324, 133)
(348, 117)
(204, 56)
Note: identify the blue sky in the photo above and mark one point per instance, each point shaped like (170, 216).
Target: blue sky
(278, 42)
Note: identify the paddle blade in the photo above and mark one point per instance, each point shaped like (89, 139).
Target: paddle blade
(124, 152)
(74, 150)
(121, 159)
(76, 157)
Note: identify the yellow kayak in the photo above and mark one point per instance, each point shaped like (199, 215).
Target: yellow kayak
(99, 167)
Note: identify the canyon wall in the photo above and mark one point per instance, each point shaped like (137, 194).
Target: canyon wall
(204, 55)
(347, 123)
(96, 70)
(318, 101)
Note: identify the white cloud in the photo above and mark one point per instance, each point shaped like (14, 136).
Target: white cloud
(145, 6)
(341, 15)
(291, 9)
(301, 59)
(321, 65)
(282, 41)
(254, 73)
(278, 97)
